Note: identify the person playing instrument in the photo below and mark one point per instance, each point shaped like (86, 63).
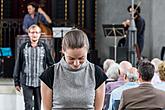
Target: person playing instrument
(35, 15)
(140, 25)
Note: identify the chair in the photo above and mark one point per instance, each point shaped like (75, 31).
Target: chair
(162, 53)
(115, 106)
(106, 101)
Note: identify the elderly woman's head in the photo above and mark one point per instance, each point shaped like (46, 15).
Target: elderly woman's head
(108, 63)
(156, 62)
(132, 74)
(113, 71)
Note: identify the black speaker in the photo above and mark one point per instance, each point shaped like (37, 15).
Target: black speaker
(121, 54)
(93, 57)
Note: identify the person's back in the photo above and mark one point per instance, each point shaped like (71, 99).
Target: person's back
(161, 70)
(156, 78)
(107, 64)
(131, 79)
(144, 97)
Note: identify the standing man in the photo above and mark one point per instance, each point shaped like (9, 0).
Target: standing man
(140, 25)
(31, 61)
(35, 14)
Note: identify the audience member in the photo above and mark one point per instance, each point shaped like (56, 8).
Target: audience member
(113, 72)
(73, 83)
(156, 62)
(113, 75)
(107, 63)
(161, 69)
(131, 79)
(144, 97)
(124, 66)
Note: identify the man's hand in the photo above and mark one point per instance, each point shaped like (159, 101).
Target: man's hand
(41, 11)
(18, 88)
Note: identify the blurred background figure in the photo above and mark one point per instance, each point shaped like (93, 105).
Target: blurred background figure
(156, 78)
(124, 66)
(131, 79)
(161, 69)
(35, 15)
(113, 72)
(113, 75)
(139, 23)
(107, 63)
(145, 96)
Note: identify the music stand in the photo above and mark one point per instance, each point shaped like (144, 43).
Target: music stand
(114, 30)
(59, 32)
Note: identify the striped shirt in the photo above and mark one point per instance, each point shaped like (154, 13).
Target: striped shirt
(34, 64)
(30, 64)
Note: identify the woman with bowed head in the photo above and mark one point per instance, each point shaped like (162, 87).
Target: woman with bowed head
(73, 83)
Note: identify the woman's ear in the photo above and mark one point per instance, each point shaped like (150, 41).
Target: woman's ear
(62, 50)
(140, 76)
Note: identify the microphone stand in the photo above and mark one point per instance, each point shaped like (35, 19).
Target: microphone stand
(132, 38)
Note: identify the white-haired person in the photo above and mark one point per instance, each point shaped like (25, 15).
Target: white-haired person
(124, 66)
(161, 69)
(145, 96)
(131, 78)
(156, 78)
(107, 63)
(113, 75)
(113, 72)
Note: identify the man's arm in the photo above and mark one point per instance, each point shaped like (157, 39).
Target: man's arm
(25, 24)
(17, 69)
(46, 94)
(41, 11)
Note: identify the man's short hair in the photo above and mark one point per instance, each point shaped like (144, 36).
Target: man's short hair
(33, 4)
(135, 7)
(146, 70)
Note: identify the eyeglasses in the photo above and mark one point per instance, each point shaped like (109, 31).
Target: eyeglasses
(34, 32)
